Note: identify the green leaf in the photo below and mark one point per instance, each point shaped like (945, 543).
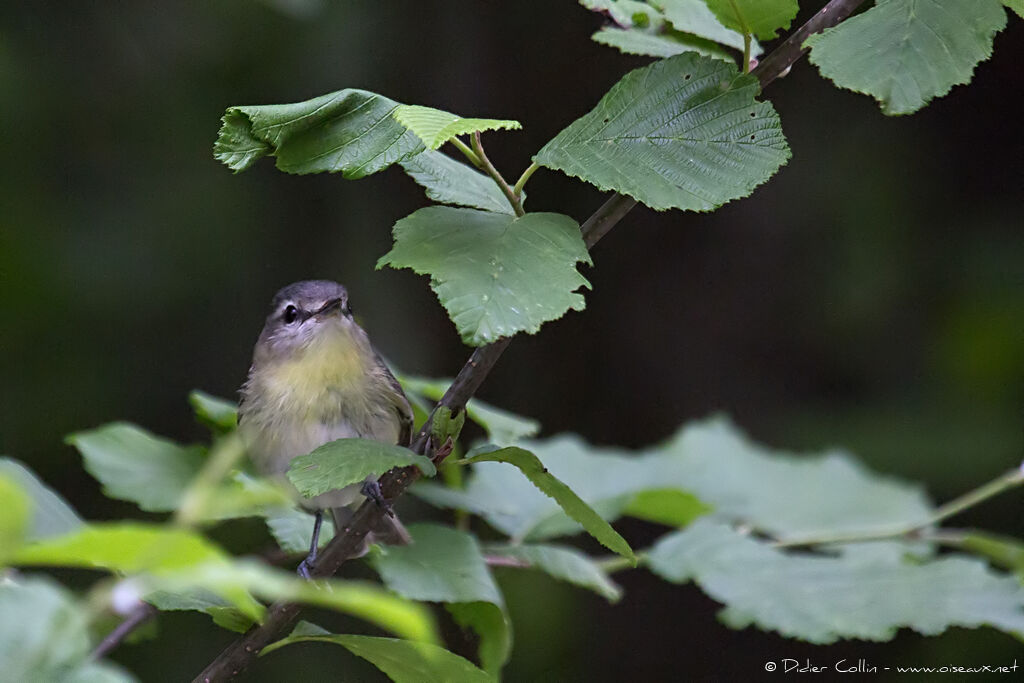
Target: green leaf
(293, 529)
(503, 428)
(1003, 551)
(762, 18)
(626, 13)
(694, 16)
(822, 599)
(446, 565)
(199, 600)
(218, 414)
(351, 131)
(339, 463)
(493, 628)
(684, 132)
(15, 514)
(566, 564)
(403, 661)
(450, 182)
(49, 513)
(666, 506)
(242, 495)
(1016, 5)
(919, 50)
(134, 465)
(44, 635)
(496, 275)
(661, 44)
(436, 127)
(574, 506)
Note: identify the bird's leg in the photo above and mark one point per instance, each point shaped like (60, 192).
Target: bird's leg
(371, 489)
(307, 564)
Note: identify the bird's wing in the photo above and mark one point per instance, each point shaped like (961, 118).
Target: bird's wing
(400, 404)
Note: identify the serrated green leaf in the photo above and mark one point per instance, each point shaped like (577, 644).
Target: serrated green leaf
(15, 514)
(762, 18)
(694, 16)
(219, 414)
(50, 514)
(403, 661)
(567, 499)
(44, 635)
(566, 564)
(919, 49)
(134, 465)
(822, 599)
(774, 492)
(503, 427)
(496, 275)
(1016, 5)
(436, 127)
(450, 182)
(340, 463)
(293, 529)
(684, 132)
(446, 565)
(351, 131)
(661, 44)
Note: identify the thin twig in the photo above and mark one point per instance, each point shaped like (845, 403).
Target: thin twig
(488, 168)
(347, 541)
(136, 618)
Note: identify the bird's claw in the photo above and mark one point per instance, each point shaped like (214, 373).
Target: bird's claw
(371, 489)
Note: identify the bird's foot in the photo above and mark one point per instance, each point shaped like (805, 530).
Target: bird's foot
(371, 489)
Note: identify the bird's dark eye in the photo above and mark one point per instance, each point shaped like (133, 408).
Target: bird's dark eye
(291, 314)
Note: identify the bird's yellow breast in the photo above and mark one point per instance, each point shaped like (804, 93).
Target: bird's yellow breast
(313, 383)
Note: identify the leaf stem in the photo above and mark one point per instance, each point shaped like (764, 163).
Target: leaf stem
(617, 563)
(1005, 482)
(518, 189)
(470, 154)
(746, 53)
(488, 167)
(225, 454)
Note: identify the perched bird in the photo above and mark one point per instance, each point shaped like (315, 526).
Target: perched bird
(315, 378)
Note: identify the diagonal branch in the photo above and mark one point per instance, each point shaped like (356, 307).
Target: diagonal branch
(282, 616)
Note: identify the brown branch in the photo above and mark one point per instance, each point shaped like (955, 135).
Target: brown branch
(348, 541)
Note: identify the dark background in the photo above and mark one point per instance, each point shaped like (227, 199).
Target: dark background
(870, 296)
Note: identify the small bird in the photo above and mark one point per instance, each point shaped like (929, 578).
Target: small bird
(315, 378)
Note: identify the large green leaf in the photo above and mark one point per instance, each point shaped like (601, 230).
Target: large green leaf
(243, 495)
(919, 49)
(446, 565)
(44, 635)
(351, 131)
(402, 660)
(15, 513)
(1016, 5)
(567, 499)
(762, 18)
(684, 132)
(436, 127)
(566, 564)
(822, 599)
(339, 463)
(502, 427)
(49, 514)
(626, 13)
(451, 182)
(134, 465)
(775, 492)
(665, 43)
(495, 274)
(694, 16)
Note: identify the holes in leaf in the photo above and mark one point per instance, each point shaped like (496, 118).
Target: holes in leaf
(686, 77)
(751, 137)
(753, 115)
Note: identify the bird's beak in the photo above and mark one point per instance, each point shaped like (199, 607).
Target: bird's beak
(331, 305)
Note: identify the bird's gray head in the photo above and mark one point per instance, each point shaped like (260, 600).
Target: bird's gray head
(304, 313)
